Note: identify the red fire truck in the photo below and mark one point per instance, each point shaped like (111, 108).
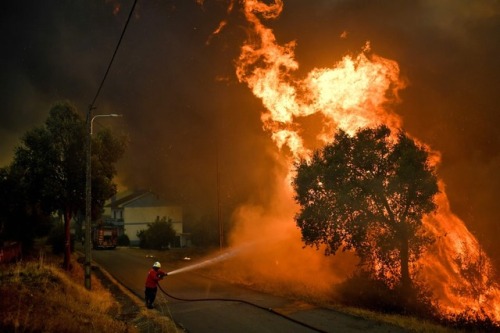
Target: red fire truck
(104, 237)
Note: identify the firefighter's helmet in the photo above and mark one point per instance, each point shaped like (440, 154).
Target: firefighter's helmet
(157, 264)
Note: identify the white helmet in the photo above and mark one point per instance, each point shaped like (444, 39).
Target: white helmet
(157, 264)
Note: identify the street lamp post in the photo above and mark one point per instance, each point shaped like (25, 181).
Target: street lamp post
(88, 194)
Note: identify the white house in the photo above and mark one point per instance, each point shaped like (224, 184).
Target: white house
(134, 210)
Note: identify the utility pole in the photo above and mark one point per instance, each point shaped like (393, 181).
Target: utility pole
(88, 196)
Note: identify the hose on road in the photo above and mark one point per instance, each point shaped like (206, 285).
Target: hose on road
(245, 302)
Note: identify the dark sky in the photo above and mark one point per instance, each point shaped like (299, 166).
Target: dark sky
(183, 106)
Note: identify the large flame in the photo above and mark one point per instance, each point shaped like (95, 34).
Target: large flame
(355, 93)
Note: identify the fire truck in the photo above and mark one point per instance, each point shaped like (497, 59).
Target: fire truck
(104, 237)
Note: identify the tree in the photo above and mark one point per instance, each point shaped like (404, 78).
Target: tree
(368, 193)
(478, 274)
(159, 235)
(18, 220)
(51, 164)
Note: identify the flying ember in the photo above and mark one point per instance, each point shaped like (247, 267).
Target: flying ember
(356, 92)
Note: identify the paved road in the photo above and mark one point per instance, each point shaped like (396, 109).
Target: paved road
(130, 267)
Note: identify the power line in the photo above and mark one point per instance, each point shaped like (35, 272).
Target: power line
(114, 54)
(88, 174)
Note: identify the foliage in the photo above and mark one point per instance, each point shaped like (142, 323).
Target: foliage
(472, 321)
(368, 193)
(123, 240)
(38, 297)
(159, 235)
(478, 273)
(51, 157)
(363, 291)
(480, 283)
(19, 221)
(107, 149)
(48, 171)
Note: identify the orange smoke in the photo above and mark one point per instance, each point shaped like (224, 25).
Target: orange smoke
(277, 258)
(356, 92)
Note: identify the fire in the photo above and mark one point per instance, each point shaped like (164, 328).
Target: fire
(356, 92)
(442, 269)
(350, 95)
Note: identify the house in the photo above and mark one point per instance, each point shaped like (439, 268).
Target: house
(132, 211)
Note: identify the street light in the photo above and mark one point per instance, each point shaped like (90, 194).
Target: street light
(88, 193)
(102, 115)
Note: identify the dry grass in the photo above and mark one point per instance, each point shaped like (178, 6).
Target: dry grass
(408, 323)
(133, 309)
(39, 296)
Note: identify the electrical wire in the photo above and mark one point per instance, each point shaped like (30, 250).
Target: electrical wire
(113, 57)
(244, 302)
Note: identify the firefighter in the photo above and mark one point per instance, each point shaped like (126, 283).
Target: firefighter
(155, 274)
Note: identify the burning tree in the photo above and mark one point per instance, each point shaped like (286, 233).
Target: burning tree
(478, 273)
(368, 193)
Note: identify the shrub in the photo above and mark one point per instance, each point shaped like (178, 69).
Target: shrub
(472, 321)
(159, 235)
(123, 240)
(361, 290)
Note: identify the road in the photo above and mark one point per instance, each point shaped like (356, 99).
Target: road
(130, 267)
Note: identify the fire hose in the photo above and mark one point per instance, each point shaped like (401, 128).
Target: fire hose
(244, 302)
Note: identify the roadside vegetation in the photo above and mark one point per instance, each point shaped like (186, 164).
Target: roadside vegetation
(158, 235)
(39, 296)
(47, 177)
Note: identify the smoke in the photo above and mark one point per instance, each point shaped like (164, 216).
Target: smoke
(275, 258)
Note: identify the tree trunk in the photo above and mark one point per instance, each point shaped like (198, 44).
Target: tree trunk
(67, 239)
(405, 270)
(405, 258)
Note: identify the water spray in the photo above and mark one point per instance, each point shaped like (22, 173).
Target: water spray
(221, 257)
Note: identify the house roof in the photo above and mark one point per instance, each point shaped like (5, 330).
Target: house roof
(128, 197)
